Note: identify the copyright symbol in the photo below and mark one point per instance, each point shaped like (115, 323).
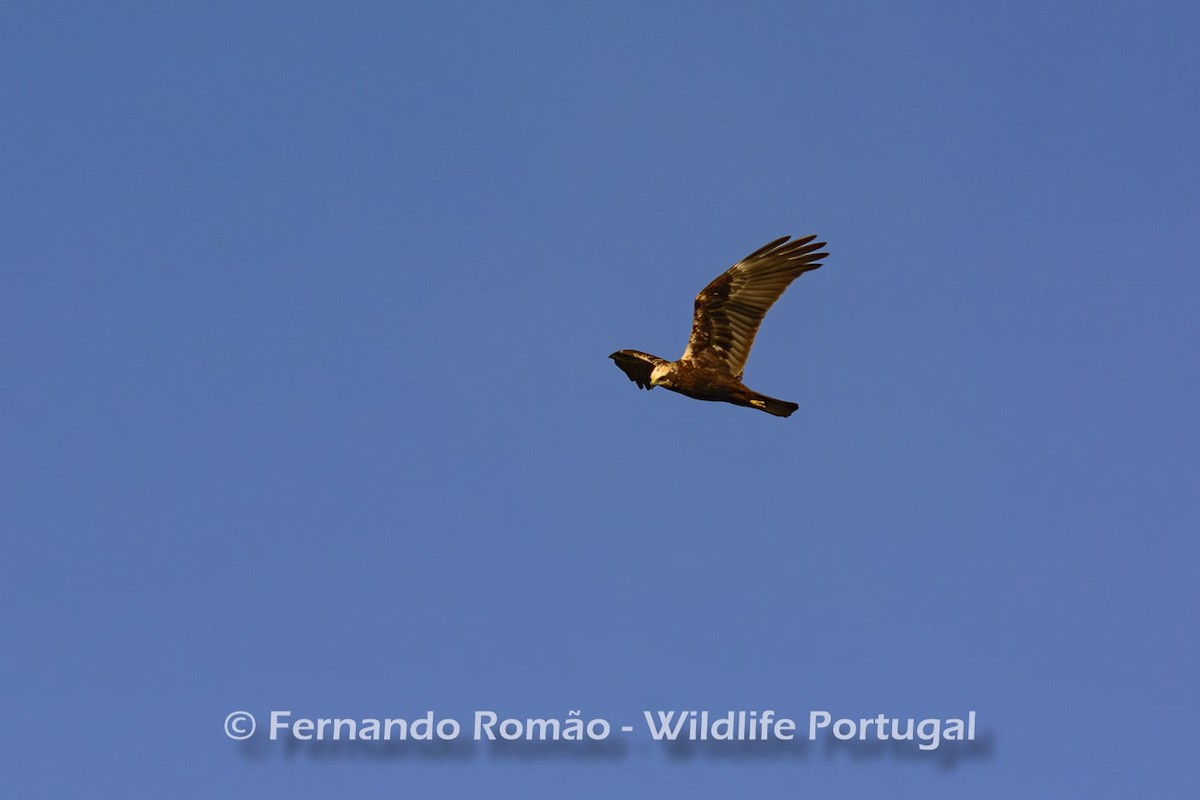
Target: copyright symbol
(239, 725)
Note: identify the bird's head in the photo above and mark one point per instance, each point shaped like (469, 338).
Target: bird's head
(661, 375)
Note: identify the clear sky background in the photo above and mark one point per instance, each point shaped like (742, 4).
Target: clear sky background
(304, 317)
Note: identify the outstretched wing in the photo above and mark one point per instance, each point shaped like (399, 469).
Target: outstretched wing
(637, 365)
(730, 309)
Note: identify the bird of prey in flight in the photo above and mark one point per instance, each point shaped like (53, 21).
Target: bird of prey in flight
(728, 313)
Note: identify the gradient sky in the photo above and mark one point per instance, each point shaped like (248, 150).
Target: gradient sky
(304, 317)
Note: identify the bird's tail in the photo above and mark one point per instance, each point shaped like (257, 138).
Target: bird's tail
(780, 408)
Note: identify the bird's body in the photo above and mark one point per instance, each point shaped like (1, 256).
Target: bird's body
(728, 313)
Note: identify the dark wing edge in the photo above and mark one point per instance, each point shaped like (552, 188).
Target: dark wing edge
(637, 365)
(729, 311)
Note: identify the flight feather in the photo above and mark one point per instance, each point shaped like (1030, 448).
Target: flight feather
(729, 311)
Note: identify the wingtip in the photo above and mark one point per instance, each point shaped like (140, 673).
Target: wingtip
(788, 245)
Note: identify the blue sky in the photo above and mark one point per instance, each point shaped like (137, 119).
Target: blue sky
(304, 315)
